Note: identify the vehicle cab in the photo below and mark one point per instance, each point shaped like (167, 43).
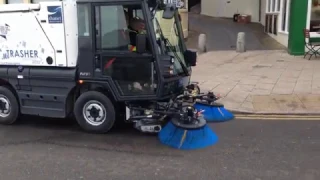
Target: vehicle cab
(122, 45)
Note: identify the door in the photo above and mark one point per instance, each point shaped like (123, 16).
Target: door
(227, 8)
(224, 8)
(130, 72)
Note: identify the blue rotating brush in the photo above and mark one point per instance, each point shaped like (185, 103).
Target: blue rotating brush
(212, 111)
(187, 131)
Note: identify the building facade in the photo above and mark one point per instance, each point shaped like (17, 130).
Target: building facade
(275, 19)
(283, 20)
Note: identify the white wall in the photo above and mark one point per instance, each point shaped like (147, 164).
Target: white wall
(210, 8)
(220, 8)
(281, 38)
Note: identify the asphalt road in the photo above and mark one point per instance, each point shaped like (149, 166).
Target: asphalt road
(41, 149)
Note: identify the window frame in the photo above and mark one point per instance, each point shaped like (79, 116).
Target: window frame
(279, 12)
(287, 13)
(272, 6)
(89, 23)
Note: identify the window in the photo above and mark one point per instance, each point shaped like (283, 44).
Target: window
(83, 20)
(272, 14)
(14, 1)
(315, 16)
(138, 13)
(277, 13)
(174, 36)
(285, 15)
(278, 5)
(271, 24)
(111, 28)
(273, 6)
(117, 26)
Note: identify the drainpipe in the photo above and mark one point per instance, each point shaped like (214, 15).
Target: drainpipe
(297, 22)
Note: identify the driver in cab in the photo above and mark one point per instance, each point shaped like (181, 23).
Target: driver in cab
(135, 26)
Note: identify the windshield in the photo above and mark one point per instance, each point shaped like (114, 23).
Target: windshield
(173, 42)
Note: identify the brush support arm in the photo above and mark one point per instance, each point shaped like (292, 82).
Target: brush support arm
(209, 97)
(185, 117)
(170, 112)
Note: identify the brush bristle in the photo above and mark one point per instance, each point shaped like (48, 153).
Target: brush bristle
(187, 139)
(220, 114)
(215, 113)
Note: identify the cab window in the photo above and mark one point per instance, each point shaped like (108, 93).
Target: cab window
(116, 30)
(110, 26)
(84, 18)
(117, 26)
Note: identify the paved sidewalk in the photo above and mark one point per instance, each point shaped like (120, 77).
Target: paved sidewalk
(261, 81)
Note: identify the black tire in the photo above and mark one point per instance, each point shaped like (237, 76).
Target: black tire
(13, 115)
(101, 101)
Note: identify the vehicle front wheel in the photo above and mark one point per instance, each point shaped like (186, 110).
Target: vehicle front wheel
(9, 106)
(94, 112)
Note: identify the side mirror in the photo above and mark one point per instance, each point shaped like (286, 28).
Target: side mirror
(190, 57)
(166, 65)
(169, 11)
(141, 43)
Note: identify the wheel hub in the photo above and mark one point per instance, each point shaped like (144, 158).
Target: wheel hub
(94, 113)
(4, 107)
(187, 120)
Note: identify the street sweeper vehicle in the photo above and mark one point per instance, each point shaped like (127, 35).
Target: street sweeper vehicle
(103, 61)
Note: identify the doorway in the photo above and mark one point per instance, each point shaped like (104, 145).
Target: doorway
(259, 10)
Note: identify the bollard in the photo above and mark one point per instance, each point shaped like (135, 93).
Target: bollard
(241, 42)
(202, 47)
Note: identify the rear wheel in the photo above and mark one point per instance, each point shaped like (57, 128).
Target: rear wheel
(94, 112)
(9, 106)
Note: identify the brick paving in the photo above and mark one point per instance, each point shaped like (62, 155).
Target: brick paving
(262, 81)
